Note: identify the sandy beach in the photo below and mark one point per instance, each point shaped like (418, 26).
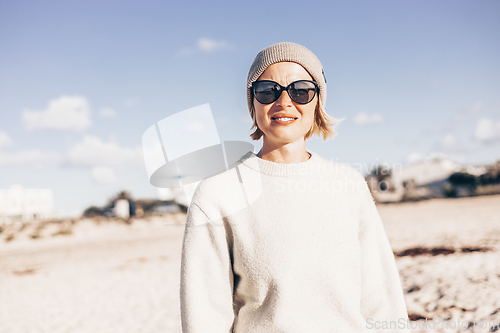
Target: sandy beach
(110, 276)
(448, 256)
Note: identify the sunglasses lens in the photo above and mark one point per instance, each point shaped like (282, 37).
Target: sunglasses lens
(302, 92)
(266, 92)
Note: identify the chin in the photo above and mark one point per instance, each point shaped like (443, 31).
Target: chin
(285, 138)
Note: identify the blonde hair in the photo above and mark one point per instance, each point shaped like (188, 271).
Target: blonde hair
(323, 124)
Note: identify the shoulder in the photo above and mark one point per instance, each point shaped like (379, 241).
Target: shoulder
(219, 195)
(209, 188)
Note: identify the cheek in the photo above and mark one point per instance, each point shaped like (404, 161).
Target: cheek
(309, 112)
(260, 111)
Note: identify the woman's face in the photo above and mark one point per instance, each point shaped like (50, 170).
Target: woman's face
(276, 132)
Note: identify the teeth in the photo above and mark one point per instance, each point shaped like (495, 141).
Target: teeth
(285, 119)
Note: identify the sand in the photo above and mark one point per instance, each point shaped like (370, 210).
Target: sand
(92, 276)
(111, 277)
(463, 286)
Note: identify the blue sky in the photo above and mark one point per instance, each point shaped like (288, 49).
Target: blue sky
(80, 82)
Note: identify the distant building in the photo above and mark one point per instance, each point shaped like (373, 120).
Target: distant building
(423, 178)
(18, 203)
(122, 208)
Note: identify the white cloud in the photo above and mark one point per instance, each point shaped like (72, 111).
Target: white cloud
(204, 45)
(108, 112)
(103, 175)
(63, 113)
(417, 157)
(454, 158)
(487, 130)
(131, 102)
(210, 45)
(5, 139)
(435, 154)
(414, 157)
(363, 118)
(92, 152)
(34, 157)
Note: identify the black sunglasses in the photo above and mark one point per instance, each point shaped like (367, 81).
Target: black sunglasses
(301, 92)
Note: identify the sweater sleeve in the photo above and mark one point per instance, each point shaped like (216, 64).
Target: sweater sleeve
(206, 284)
(382, 300)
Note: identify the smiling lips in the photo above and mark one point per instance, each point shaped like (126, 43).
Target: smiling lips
(283, 120)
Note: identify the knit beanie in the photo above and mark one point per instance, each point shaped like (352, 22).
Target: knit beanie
(286, 51)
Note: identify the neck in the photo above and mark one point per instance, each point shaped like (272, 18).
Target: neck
(305, 168)
(284, 154)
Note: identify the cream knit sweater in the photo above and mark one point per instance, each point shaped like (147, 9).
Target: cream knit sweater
(293, 248)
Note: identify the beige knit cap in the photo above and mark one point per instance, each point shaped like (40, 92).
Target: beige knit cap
(286, 51)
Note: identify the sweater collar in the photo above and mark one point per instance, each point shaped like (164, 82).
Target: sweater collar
(251, 160)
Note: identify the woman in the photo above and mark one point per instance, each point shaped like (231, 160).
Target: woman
(287, 241)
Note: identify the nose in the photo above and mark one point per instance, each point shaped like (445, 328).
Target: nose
(284, 100)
